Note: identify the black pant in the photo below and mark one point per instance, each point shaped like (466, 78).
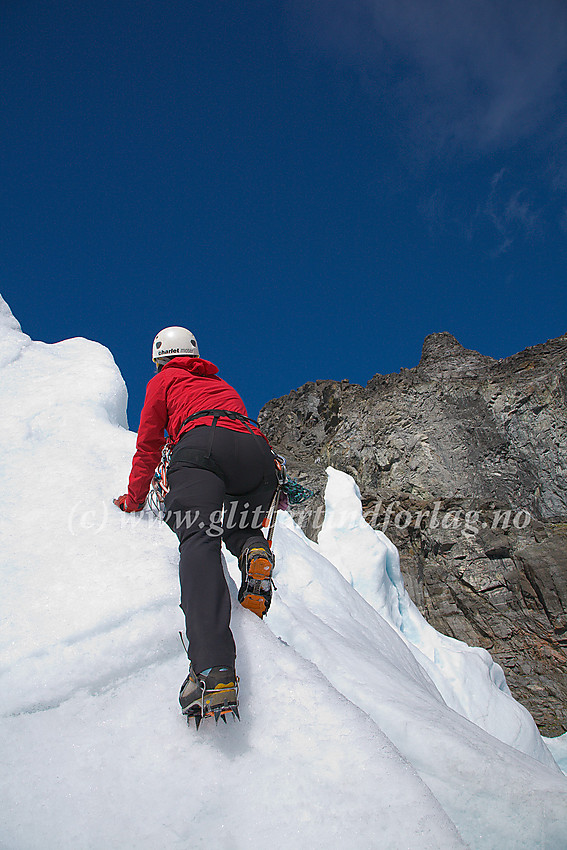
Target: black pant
(212, 467)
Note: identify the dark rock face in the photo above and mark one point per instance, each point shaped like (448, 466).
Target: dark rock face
(462, 461)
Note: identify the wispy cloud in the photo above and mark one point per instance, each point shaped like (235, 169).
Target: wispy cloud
(510, 212)
(506, 215)
(479, 72)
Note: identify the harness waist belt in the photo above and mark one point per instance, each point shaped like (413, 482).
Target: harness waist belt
(218, 414)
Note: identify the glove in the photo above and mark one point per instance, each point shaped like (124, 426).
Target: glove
(120, 502)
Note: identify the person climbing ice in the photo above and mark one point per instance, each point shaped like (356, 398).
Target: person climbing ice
(219, 460)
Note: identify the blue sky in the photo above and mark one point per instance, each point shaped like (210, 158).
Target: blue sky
(311, 186)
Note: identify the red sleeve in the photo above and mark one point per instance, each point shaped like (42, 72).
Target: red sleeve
(153, 421)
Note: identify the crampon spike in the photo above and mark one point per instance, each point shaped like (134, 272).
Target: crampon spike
(219, 712)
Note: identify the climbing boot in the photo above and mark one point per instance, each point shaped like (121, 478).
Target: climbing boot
(256, 565)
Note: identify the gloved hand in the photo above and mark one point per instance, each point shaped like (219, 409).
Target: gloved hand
(120, 502)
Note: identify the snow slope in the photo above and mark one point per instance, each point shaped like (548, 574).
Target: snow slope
(360, 724)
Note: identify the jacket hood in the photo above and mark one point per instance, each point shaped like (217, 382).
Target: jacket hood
(195, 365)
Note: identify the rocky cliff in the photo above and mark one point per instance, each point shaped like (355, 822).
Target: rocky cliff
(462, 461)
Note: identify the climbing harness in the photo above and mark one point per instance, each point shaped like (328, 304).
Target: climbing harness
(288, 492)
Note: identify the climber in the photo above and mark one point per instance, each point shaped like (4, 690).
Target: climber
(219, 458)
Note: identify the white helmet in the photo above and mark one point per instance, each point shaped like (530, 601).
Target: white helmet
(174, 342)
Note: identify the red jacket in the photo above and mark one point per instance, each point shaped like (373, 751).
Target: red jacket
(184, 386)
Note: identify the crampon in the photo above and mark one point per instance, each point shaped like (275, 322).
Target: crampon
(255, 592)
(218, 697)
